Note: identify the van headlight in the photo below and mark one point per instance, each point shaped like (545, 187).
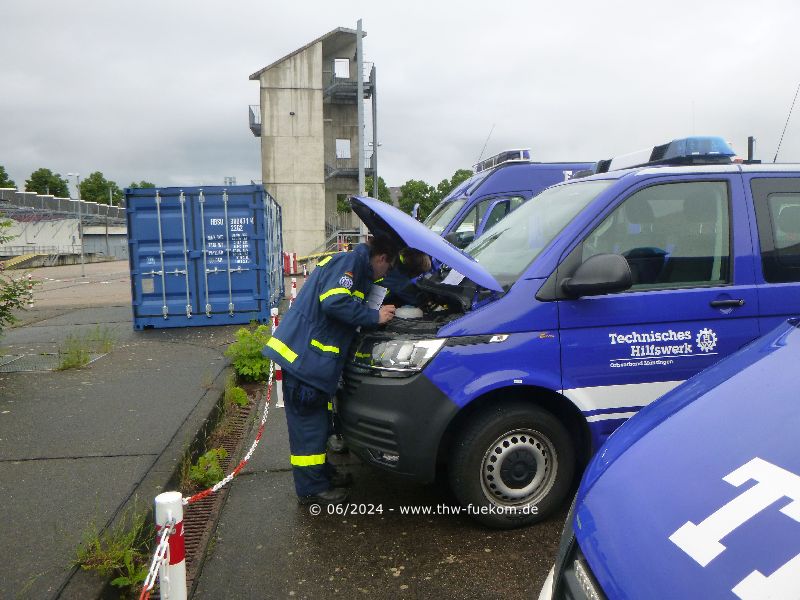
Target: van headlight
(400, 356)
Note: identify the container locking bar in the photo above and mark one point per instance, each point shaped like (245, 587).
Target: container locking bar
(228, 251)
(164, 309)
(185, 256)
(202, 201)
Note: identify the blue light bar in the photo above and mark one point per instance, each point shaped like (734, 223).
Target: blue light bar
(696, 150)
(517, 155)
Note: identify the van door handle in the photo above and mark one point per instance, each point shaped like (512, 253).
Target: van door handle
(727, 303)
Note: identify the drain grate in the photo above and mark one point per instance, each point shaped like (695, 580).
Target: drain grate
(22, 363)
(200, 518)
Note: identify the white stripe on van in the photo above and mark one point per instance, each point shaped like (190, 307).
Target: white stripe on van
(617, 396)
(609, 416)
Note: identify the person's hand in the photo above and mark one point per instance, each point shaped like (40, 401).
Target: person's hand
(386, 314)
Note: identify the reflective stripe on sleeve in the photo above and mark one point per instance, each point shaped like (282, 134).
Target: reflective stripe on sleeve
(323, 347)
(281, 349)
(378, 280)
(333, 292)
(330, 406)
(358, 294)
(324, 261)
(311, 460)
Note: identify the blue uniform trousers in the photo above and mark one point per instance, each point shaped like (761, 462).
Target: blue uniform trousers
(308, 421)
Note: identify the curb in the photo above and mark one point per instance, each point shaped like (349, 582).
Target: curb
(161, 476)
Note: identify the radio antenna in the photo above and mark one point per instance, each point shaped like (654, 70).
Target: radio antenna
(485, 143)
(786, 124)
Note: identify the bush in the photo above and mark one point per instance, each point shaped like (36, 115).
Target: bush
(236, 395)
(208, 471)
(245, 353)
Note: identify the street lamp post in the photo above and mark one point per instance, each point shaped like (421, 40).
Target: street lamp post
(80, 218)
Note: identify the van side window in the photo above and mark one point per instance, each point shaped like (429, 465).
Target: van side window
(501, 209)
(778, 215)
(464, 232)
(673, 235)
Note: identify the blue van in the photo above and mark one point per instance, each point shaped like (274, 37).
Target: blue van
(698, 495)
(600, 295)
(501, 184)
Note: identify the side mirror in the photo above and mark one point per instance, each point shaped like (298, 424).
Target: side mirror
(599, 274)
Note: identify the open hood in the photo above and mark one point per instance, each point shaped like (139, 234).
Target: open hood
(382, 218)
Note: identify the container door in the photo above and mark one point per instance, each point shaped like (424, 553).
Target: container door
(693, 299)
(162, 282)
(229, 231)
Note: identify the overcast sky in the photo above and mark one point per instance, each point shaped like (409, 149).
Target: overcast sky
(158, 90)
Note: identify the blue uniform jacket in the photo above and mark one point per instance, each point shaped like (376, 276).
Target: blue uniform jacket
(401, 291)
(313, 339)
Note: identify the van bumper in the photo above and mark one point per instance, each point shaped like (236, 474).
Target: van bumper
(395, 423)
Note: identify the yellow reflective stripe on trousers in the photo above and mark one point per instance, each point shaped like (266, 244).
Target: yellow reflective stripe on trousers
(330, 405)
(281, 349)
(333, 292)
(311, 460)
(324, 261)
(358, 294)
(323, 347)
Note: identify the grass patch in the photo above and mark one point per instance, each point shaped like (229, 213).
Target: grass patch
(121, 551)
(76, 350)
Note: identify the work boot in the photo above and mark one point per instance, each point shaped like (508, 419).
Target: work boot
(332, 495)
(340, 479)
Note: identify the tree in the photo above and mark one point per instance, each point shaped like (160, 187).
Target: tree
(416, 191)
(13, 291)
(5, 182)
(95, 189)
(142, 184)
(384, 195)
(44, 181)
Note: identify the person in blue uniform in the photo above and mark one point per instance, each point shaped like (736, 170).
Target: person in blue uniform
(399, 280)
(311, 345)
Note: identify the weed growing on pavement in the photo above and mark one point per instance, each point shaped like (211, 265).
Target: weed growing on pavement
(245, 353)
(208, 471)
(234, 394)
(120, 551)
(73, 353)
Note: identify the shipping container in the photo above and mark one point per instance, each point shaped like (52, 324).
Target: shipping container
(203, 256)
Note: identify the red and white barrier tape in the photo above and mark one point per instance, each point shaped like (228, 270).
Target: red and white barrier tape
(222, 483)
(160, 558)
(169, 550)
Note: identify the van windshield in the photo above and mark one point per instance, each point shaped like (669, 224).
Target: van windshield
(507, 248)
(443, 214)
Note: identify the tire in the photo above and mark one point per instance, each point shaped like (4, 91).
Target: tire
(516, 460)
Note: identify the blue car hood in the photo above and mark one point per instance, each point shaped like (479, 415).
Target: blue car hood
(738, 420)
(382, 218)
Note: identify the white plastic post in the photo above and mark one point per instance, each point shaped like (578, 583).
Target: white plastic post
(172, 576)
(305, 271)
(30, 291)
(294, 288)
(278, 381)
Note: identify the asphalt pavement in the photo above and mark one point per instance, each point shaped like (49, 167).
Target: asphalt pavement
(78, 447)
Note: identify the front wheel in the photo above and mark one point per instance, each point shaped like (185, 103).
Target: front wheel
(512, 465)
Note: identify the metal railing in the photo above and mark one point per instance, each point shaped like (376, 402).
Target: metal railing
(254, 112)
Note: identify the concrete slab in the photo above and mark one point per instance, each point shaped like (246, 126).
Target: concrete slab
(47, 506)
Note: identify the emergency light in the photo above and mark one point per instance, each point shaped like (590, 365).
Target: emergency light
(696, 150)
(517, 155)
